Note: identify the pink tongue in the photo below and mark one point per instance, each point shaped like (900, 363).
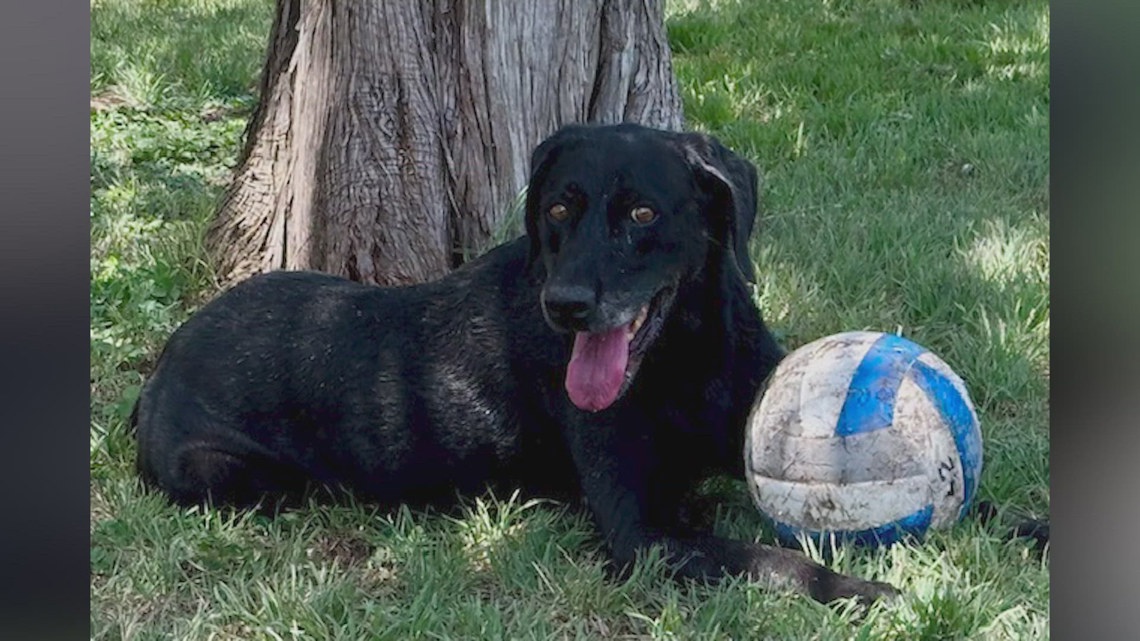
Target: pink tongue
(597, 368)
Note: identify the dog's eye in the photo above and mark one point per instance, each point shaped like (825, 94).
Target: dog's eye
(642, 215)
(558, 213)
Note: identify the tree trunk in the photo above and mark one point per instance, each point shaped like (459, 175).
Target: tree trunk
(391, 137)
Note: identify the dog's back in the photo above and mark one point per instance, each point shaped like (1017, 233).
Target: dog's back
(292, 377)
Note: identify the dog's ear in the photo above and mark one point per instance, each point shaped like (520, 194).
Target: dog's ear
(734, 184)
(540, 162)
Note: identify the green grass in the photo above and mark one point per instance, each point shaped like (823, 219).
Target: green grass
(905, 150)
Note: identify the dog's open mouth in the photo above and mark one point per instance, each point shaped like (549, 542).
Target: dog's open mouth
(603, 364)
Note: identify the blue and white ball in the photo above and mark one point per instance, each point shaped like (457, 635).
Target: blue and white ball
(865, 436)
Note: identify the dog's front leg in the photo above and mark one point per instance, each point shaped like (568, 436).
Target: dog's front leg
(615, 470)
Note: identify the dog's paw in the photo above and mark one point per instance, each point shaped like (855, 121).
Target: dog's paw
(863, 591)
(872, 591)
(1034, 529)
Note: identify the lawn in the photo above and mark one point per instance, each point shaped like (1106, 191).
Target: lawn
(905, 151)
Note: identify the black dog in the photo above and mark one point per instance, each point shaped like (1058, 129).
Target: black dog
(613, 354)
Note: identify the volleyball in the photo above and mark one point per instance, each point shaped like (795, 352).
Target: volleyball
(864, 436)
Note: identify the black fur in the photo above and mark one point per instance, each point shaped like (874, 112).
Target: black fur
(410, 394)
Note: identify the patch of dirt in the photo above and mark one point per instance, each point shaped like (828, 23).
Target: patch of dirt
(374, 569)
(214, 114)
(347, 549)
(109, 99)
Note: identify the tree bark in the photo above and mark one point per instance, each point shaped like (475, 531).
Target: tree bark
(391, 137)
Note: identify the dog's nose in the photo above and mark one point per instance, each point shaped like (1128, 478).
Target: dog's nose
(569, 306)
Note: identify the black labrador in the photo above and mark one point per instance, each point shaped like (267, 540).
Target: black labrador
(613, 353)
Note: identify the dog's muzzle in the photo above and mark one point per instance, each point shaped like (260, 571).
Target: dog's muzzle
(569, 307)
(606, 351)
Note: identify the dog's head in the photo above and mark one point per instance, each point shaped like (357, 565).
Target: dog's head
(620, 217)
